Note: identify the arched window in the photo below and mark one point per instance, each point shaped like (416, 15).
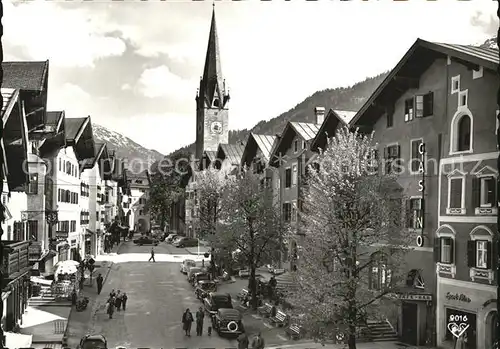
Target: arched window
(464, 133)
(380, 276)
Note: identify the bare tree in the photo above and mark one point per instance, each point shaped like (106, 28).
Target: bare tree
(250, 222)
(355, 241)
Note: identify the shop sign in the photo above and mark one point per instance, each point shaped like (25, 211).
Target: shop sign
(457, 297)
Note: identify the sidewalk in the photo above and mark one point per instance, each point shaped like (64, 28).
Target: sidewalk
(365, 345)
(79, 322)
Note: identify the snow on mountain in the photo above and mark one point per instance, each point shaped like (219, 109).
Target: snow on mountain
(124, 147)
(490, 43)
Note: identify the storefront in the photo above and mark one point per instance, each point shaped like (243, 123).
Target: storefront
(415, 318)
(470, 306)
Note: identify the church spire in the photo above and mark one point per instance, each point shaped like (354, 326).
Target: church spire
(212, 83)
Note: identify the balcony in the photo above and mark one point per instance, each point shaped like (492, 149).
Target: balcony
(16, 256)
(456, 211)
(486, 211)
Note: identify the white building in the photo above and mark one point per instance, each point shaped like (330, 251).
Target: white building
(134, 203)
(14, 228)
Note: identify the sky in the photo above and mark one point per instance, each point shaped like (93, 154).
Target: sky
(134, 67)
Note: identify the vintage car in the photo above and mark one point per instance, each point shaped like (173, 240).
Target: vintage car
(186, 264)
(185, 242)
(228, 322)
(170, 238)
(192, 271)
(199, 277)
(144, 240)
(215, 301)
(93, 341)
(204, 287)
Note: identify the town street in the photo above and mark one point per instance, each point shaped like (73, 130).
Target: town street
(157, 295)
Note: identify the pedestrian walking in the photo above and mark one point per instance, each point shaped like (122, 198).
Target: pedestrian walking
(124, 301)
(258, 342)
(152, 255)
(111, 307)
(187, 321)
(200, 316)
(112, 294)
(100, 281)
(74, 296)
(118, 301)
(243, 341)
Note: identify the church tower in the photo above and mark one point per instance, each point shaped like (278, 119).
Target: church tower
(211, 100)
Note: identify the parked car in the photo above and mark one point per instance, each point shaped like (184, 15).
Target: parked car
(200, 276)
(227, 321)
(93, 341)
(144, 240)
(186, 264)
(215, 301)
(186, 242)
(204, 287)
(192, 271)
(170, 238)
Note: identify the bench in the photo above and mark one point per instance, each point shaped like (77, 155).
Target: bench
(265, 310)
(280, 319)
(243, 294)
(294, 332)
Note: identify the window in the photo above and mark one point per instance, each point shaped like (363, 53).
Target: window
(481, 254)
(287, 212)
(4, 199)
(424, 105)
(68, 167)
(296, 146)
(463, 97)
(60, 164)
(32, 230)
(455, 84)
(97, 215)
(391, 154)
(140, 212)
(409, 109)
(445, 248)
(456, 193)
(304, 144)
(73, 226)
(18, 231)
(461, 132)
(390, 119)
(484, 191)
(294, 174)
(380, 275)
(288, 178)
(294, 211)
(415, 216)
(33, 184)
(416, 157)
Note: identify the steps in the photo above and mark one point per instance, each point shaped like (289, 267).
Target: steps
(382, 331)
(47, 301)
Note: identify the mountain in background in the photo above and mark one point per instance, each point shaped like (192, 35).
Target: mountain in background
(490, 43)
(124, 147)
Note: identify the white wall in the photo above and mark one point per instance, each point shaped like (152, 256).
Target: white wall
(15, 204)
(68, 211)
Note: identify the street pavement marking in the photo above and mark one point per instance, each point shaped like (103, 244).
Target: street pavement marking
(267, 325)
(281, 337)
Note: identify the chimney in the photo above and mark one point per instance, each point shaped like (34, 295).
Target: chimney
(319, 112)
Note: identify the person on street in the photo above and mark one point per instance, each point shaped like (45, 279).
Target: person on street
(152, 255)
(118, 300)
(200, 316)
(243, 341)
(111, 307)
(73, 296)
(112, 294)
(187, 321)
(100, 281)
(124, 301)
(258, 342)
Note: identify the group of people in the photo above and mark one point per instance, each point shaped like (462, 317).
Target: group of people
(243, 340)
(116, 300)
(187, 321)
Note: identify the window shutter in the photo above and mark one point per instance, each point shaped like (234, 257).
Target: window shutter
(471, 254)
(398, 151)
(476, 192)
(386, 153)
(452, 251)
(489, 254)
(492, 192)
(429, 104)
(437, 250)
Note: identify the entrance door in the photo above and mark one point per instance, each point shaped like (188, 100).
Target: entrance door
(409, 333)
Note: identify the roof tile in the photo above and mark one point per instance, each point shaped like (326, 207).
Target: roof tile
(265, 144)
(25, 75)
(72, 126)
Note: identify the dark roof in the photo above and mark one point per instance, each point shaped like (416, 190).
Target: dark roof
(9, 96)
(53, 117)
(211, 155)
(72, 126)
(414, 63)
(28, 76)
(231, 152)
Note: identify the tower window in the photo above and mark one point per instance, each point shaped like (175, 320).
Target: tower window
(216, 102)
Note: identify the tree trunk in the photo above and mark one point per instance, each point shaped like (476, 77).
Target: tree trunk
(253, 286)
(351, 339)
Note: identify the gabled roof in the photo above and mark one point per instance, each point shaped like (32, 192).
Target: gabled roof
(29, 76)
(10, 97)
(211, 155)
(305, 130)
(53, 117)
(230, 152)
(255, 142)
(414, 63)
(74, 127)
(333, 120)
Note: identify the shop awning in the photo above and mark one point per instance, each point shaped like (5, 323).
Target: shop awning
(40, 281)
(17, 340)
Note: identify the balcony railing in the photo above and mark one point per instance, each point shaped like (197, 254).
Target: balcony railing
(16, 258)
(35, 250)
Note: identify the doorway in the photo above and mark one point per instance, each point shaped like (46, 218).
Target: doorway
(409, 333)
(491, 323)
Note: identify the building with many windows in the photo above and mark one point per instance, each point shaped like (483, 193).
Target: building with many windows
(134, 203)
